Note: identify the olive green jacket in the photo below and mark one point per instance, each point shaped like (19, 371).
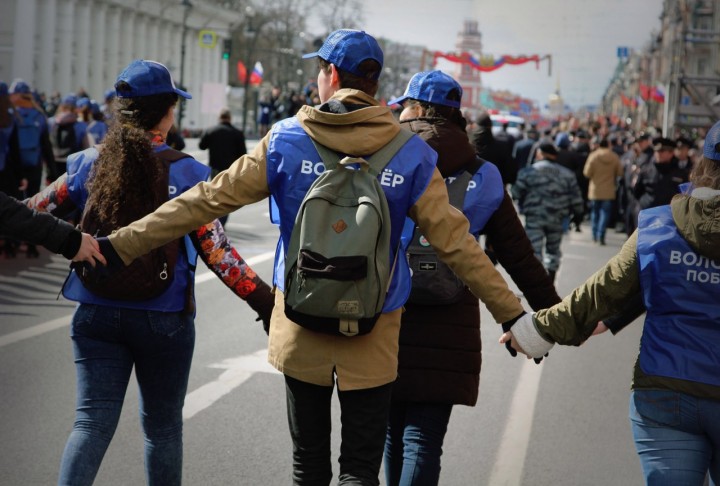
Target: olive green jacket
(697, 217)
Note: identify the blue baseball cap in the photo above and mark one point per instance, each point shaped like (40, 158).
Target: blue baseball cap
(3, 88)
(347, 49)
(20, 86)
(711, 149)
(147, 78)
(432, 87)
(83, 103)
(94, 107)
(70, 100)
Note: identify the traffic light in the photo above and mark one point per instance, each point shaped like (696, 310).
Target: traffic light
(227, 47)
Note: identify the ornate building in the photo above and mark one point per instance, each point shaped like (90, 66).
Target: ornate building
(469, 40)
(65, 45)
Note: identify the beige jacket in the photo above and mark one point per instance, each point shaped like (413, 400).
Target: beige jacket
(603, 167)
(359, 362)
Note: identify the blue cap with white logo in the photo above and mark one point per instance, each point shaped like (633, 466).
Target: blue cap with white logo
(431, 87)
(347, 49)
(711, 149)
(146, 78)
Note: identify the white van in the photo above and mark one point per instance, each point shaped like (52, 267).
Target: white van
(514, 123)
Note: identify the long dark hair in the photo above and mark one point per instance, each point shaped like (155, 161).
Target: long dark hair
(121, 185)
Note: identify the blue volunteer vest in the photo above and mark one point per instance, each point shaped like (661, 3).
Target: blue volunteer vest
(184, 174)
(681, 290)
(485, 192)
(292, 166)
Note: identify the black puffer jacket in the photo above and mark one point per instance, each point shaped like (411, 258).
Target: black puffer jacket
(18, 221)
(439, 358)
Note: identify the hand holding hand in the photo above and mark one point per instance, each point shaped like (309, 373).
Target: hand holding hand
(89, 251)
(601, 328)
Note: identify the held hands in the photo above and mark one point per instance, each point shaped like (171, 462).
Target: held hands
(89, 251)
(524, 331)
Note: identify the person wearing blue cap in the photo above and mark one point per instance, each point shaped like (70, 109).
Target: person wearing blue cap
(68, 133)
(97, 128)
(117, 330)
(283, 166)
(673, 261)
(440, 349)
(33, 142)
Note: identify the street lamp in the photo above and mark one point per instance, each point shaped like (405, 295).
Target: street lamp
(250, 33)
(186, 6)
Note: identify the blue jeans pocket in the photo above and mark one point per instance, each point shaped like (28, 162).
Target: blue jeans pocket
(658, 407)
(83, 318)
(166, 323)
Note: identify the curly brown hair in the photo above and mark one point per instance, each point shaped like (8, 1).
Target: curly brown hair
(122, 183)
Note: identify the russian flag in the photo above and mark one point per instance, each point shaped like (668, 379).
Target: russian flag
(657, 94)
(256, 76)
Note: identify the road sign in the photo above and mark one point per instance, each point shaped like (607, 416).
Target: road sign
(207, 38)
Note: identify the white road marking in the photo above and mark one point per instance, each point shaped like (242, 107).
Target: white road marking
(54, 324)
(510, 457)
(239, 370)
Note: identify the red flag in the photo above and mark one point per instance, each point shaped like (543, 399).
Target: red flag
(644, 91)
(241, 72)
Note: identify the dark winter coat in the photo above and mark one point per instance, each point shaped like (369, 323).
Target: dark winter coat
(18, 221)
(439, 358)
(226, 144)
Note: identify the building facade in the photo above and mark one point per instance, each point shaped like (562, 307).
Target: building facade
(66, 45)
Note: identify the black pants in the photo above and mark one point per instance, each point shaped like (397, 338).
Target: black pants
(363, 418)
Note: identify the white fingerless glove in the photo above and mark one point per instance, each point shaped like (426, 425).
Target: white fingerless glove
(528, 337)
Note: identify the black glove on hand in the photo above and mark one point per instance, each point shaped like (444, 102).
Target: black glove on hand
(538, 360)
(262, 301)
(506, 326)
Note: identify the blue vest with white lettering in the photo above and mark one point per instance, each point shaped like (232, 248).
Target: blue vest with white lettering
(292, 166)
(484, 194)
(681, 290)
(184, 174)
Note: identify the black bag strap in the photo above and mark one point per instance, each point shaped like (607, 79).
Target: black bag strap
(458, 189)
(376, 162)
(171, 155)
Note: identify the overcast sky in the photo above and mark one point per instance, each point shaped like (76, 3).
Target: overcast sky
(581, 35)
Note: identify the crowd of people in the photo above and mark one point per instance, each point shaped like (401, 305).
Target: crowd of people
(443, 183)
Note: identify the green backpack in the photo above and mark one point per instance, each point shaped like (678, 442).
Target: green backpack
(337, 269)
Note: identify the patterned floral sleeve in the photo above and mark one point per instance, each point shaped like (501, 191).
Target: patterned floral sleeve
(219, 255)
(54, 199)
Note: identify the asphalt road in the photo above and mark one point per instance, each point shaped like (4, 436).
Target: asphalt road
(563, 423)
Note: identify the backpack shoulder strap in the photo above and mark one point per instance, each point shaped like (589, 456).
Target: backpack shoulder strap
(458, 189)
(329, 157)
(171, 155)
(380, 159)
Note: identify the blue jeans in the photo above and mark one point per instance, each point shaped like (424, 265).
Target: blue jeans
(599, 216)
(413, 445)
(107, 342)
(677, 437)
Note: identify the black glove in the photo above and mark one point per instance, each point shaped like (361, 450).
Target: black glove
(262, 301)
(506, 326)
(538, 360)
